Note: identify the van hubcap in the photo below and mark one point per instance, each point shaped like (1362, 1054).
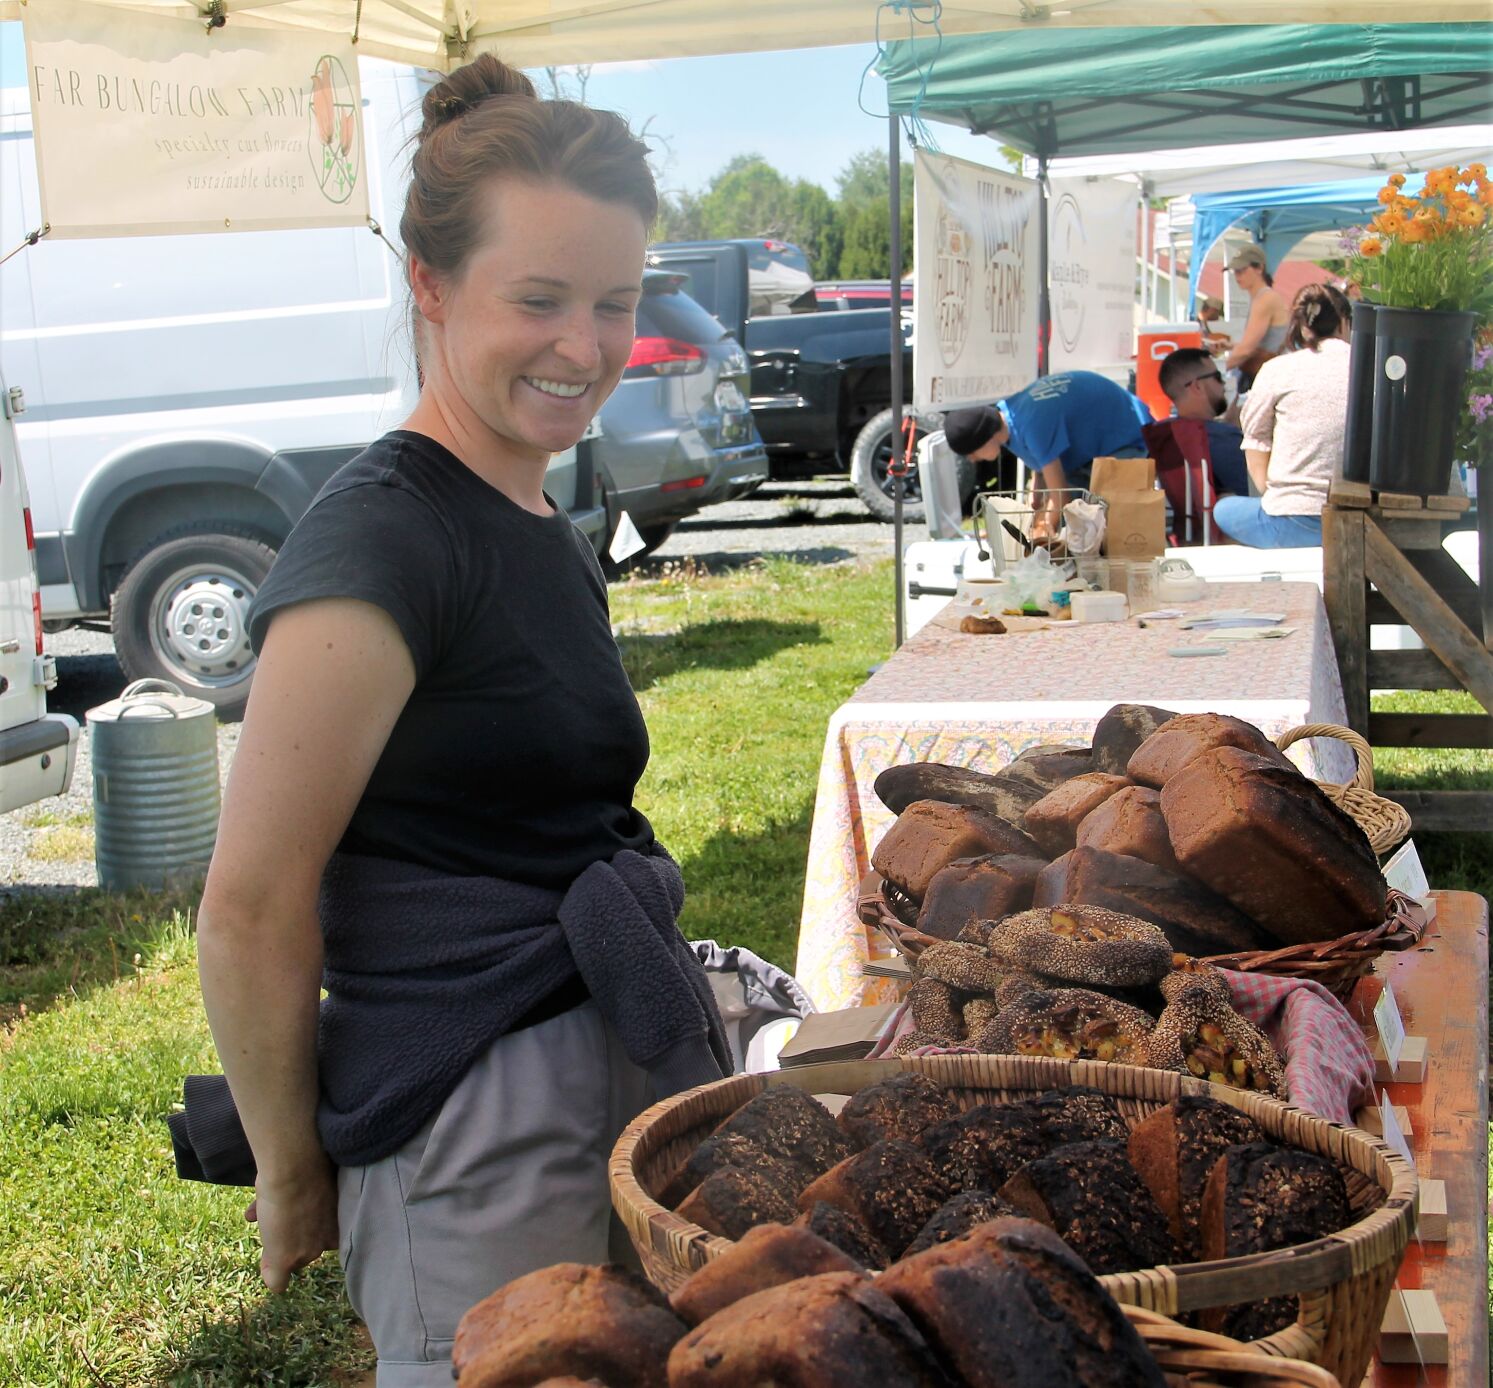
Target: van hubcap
(202, 625)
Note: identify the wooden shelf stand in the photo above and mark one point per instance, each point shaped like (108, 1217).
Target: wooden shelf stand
(1383, 564)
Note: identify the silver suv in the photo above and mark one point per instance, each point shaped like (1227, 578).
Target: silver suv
(37, 748)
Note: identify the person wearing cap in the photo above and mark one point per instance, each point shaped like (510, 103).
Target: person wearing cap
(1057, 426)
(1191, 380)
(1210, 311)
(1269, 316)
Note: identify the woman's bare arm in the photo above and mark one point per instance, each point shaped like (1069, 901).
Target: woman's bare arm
(1254, 332)
(330, 684)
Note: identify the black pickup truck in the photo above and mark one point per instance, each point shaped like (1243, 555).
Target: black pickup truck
(820, 370)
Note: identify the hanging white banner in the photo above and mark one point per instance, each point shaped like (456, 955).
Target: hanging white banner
(977, 286)
(146, 125)
(1091, 269)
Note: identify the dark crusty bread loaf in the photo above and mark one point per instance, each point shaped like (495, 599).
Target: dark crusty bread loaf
(929, 835)
(956, 1217)
(723, 1149)
(1053, 821)
(1009, 1306)
(1121, 731)
(1174, 1148)
(569, 1320)
(1076, 1113)
(1130, 823)
(1196, 919)
(976, 889)
(982, 1149)
(892, 1187)
(844, 1231)
(733, 1199)
(1173, 745)
(1005, 797)
(1046, 768)
(792, 1126)
(1096, 1202)
(1259, 1198)
(832, 1329)
(900, 1106)
(766, 1256)
(1273, 844)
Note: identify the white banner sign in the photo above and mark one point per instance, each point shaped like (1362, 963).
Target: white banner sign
(1091, 270)
(147, 126)
(977, 287)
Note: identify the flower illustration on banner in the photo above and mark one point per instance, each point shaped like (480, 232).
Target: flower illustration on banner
(333, 142)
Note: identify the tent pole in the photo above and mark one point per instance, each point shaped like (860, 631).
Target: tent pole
(1044, 302)
(894, 182)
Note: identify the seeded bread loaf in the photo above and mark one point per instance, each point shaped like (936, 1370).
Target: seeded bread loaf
(844, 1231)
(1084, 944)
(891, 1186)
(1199, 1035)
(733, 1199)
(900, 1106)
(929, 835)
(567, 1321)
(1068, 1024)
(1272, 843)
(956, 1217)
(982, 1149)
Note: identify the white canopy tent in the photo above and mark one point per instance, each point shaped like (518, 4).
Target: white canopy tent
(534, 33)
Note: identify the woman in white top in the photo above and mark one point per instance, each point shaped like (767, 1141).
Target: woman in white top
(1293, 428)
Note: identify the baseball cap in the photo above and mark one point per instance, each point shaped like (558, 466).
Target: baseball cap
(1248, 254)
(971, 428)
(1212, 304)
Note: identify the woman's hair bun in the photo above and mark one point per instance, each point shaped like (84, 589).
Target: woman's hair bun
(467, 87)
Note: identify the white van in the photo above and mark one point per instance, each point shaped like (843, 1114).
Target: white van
(189, 395)
(37, 748)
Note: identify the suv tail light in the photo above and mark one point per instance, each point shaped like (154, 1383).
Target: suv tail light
(35, 590)
(664, 356)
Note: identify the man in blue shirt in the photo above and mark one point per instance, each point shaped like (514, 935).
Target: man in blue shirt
(1057, 426)
(1191, 380)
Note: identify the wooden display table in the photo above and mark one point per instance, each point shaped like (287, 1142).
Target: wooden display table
(1442, 990)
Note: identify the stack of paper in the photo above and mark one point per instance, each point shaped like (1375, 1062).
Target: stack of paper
(846, 1035)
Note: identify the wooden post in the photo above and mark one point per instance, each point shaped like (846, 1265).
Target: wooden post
(1344, 589)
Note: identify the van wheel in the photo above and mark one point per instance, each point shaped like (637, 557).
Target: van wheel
(181, 612)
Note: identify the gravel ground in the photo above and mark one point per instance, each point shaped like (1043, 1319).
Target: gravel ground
(49, 845)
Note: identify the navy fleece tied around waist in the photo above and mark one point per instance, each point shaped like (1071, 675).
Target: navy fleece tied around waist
(424, 970)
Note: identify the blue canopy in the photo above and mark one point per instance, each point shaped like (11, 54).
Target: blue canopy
(1277, 218)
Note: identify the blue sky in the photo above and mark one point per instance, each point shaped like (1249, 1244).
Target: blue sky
(798, 109)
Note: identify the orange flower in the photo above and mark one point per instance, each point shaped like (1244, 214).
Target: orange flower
(1415, 231)
(1397, 180)
(1370, 246)
(1470, 216)
(1474, 173)
(1386, 195)
(1485, 194)
(1392, 223)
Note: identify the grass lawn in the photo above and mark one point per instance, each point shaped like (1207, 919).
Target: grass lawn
(114, 1272)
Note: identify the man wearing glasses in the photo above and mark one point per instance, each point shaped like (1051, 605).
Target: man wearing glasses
(1191, 380)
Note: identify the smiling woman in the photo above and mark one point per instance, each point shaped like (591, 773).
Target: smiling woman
(431, 812)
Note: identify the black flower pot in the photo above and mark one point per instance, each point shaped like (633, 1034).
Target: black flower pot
(1358, 438)
(1421, 358)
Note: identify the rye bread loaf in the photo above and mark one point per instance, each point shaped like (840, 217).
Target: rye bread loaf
(1046, 768)
(1174, 1150)
(898, 786)
(766, 1256)
(1095, 1201)
(956, 1217)
(1272, 843)
(834, 1328)
(1130, 823)
(1121, 731)
(734, 1199)
(982, 1149)
(891, 1186)
(567, 1321)
(844, 1231)
(1008, 1305)
(929, 835)
(1195, 918)
(1053, 821)
(900, 1106)
(1173, 745)
(976, 889)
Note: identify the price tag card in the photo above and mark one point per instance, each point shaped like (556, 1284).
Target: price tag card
(1405, 873)
(1391, 1130)
(1390, 1025)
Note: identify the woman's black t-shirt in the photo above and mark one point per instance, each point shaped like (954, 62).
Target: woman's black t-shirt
(520, 747)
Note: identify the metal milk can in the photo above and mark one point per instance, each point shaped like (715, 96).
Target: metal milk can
(155, 786)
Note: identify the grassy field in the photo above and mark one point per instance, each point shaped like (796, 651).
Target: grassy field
(114, 1272)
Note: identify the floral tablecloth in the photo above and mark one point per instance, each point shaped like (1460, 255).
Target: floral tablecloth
(979, 701)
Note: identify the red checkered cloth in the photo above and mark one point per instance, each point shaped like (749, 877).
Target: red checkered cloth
(1329, 1068)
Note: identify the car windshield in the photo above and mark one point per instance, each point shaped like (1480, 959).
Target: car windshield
(673, 314)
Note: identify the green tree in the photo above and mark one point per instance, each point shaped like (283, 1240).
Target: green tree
(814, 223)
(864, 186)
(747, 198)
(679, 217)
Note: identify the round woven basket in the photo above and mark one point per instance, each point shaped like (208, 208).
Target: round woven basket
(1341, 1282)
(1205, 1359)
(1385, 822)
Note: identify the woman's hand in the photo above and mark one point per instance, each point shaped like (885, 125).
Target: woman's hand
(297, 1218)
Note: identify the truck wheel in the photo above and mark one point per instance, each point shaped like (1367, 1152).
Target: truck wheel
(869, 460)
(181, 612)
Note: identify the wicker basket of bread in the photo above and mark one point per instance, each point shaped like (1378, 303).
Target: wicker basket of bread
(1197, 823)
(1224, 1209)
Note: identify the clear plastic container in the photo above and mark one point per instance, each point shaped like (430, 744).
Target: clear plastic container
(1140, 584)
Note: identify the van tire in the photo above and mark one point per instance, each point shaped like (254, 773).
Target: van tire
(869, 457)
(210, 569)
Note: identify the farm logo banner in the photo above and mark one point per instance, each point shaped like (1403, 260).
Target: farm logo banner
(146, 126)
(977, 286)
(1091, 269)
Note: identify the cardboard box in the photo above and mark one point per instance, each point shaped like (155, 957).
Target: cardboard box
(1136, 521)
